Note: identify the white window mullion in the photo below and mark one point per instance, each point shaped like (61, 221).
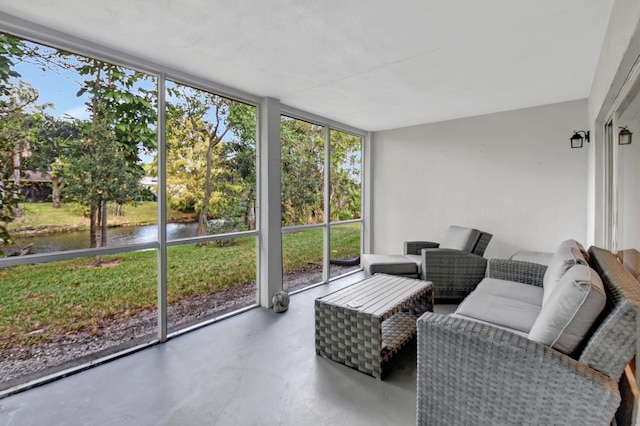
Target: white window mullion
(269, 202)
(162, 211)
(326, 271)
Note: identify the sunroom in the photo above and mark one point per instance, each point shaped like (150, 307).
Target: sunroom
(278, 143)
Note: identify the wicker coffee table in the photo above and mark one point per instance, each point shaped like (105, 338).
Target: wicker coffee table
(365, 324)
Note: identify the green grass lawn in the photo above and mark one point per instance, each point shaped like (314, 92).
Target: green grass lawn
(36, 215)
(71, 216)
(42, 301)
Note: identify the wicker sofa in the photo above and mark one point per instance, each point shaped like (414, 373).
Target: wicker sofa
(471, 371)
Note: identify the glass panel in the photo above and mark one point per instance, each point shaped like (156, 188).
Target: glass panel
(211, 184)
(628, 196)
(62, 314)
(302, 258)
(345, 176)
(345, 248)
(76, 134)
(207, 280)
(302, 172)
(211, 163)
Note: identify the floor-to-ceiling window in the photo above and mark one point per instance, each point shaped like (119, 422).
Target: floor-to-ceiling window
(321, 202)
(303, 171)
(345, 205)
(621, 171)
(210, 176)
(627, 141)
(129, 200)
(79, 281)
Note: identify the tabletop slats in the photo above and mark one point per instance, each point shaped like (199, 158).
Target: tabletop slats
(376, 295)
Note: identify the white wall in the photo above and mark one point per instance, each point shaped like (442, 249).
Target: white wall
(512, 174)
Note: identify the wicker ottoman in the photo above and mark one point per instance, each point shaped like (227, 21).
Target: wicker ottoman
(363, 325)
(392, 264)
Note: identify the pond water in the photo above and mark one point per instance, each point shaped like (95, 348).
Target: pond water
(120, 236)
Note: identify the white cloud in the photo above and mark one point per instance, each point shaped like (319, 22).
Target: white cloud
(80, 112)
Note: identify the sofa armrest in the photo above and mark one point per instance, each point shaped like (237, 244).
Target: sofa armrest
(454, 273)
(540, 257)
(472, 373)
(414, 247)
(516, 270)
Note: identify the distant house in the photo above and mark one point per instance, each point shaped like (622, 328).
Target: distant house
(149, 182)
(36, 186)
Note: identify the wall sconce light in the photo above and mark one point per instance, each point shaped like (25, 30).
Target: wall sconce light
(624, 137)
(578, 138)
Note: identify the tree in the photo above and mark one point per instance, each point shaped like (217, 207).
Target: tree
(240, 159)
(185, 164)
(201, 163)
(123, 118)
(18, 117)
(344, 177)
(53, 146)
(9, 192)
(302, 172)
(98, 173)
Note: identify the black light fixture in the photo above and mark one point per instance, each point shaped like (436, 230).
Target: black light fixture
(624, 137)
(578, 138)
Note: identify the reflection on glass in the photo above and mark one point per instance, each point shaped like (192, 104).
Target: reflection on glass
(302, 172)
(344, 248)
(66, 313)
(345, 176)
(205, 281)
(302, 258)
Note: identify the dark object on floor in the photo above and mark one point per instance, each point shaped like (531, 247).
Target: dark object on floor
(345, 262)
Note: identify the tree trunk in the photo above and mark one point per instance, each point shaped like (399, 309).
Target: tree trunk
(16, 211)
(103, 233)
(98, 223)
(93, 224)
(202, 218)
(57, 185)
(249, 218)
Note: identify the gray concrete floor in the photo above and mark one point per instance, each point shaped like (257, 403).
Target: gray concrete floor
(257, 368)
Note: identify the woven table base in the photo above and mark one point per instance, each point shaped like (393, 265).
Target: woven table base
(363, 325)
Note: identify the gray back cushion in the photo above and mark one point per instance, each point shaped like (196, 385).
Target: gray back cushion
(460, 238)
(570, 310)
(566, 256)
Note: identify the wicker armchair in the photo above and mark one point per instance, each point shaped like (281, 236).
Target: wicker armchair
(454, 273)
(474, 373)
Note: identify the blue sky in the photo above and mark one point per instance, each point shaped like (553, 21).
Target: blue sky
(57, 88)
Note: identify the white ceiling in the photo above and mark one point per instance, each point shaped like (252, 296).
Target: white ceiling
(372, 64)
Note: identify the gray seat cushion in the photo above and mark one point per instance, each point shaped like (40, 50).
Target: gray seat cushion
(417, 258)
(524, 292)
(393, 264)
(498, 302)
